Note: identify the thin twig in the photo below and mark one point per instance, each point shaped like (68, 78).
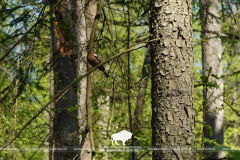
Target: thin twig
(25, 34)
(143, 155)
(89, 84)
(234, 17)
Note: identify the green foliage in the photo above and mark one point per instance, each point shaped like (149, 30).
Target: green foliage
(25, 80)
(24, 85)
(230, 64)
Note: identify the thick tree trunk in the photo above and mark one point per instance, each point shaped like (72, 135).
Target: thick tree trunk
(65, 125)
(211, 58)
(172, 80)
(65, 128)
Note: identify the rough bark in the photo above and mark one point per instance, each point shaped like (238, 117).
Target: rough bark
(172, 80)
(211, 58)
(65, 125)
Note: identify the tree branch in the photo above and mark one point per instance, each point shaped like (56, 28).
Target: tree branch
(25, 34)
(225, 35)
(94, 28)
(234, 16)
(89, 79)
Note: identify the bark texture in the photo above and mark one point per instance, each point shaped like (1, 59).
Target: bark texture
(78, 9)
(211, 58)
(172, 80)
(65, 125)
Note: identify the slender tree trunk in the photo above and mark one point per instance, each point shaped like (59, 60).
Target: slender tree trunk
(65, 125)
(84, 26)
(90, 15)
(15, 108)
(128, 25)
(140, 98)
(172, 80)
(211, 58)
(104, 108)
(52, 88)
(141, 92)
(81, 40)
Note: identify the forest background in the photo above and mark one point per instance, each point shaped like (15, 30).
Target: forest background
(43, 49)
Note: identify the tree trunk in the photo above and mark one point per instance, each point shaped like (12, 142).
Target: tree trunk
(141, 92)
(52, 88)
(65, 125)
(81, 39)
(172, 80)
(211, 58)
(104, 108)
(140, 99)
(90, 15)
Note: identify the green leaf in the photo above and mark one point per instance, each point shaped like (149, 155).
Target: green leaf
(215, 76)
(209, 129)
(209, 70)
